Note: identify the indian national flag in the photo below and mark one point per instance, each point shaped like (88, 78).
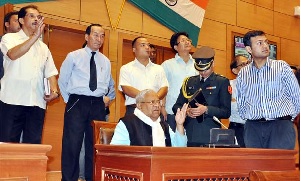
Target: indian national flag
(177, 15)
(2, 2)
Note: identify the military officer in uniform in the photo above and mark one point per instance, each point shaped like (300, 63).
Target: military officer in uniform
(217, 92)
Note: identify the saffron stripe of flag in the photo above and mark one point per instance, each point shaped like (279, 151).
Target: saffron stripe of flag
(186, 15)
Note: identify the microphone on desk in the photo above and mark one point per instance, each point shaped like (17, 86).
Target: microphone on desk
(218, 121)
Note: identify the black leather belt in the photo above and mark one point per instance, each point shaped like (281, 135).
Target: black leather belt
(239, 125)
(271, 119)
(132, 105)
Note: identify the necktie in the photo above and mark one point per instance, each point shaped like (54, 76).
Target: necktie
(202, 80)
(93, 76)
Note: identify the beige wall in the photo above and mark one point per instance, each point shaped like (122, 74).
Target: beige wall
(223, 19)
(275, 17)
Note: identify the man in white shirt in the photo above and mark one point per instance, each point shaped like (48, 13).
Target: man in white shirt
(27, 61)
(145, 127)
(141, 74)
(176, 70)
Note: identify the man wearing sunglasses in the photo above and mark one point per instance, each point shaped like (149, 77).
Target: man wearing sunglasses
(145, 127)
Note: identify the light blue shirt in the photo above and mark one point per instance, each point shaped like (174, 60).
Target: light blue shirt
(269, 92)
(75, 74)
(111, 94)
(234, 109)
(176, 70)
(121, 134)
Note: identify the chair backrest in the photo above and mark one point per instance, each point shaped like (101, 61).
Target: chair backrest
(289, 175)
(103, 131)
(102, 134)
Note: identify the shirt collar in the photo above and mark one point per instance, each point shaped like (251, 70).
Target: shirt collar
(208, 78)
(22, 34)
(150, 63)
(268, 64)
(178, 58)
(88, 50)
(147, 120)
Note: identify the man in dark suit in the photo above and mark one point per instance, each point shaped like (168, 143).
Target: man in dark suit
(217, 92)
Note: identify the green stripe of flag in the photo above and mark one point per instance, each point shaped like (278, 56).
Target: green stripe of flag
(168, 18)
(2, 2)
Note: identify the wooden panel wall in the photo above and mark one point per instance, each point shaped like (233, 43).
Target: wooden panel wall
(222, 20)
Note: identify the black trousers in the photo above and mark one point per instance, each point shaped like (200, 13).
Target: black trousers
(15, 118)
(239, 132)
(79, 113)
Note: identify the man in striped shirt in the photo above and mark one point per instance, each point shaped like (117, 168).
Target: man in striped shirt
(267, 97)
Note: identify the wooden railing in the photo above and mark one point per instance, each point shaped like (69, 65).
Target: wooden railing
(20, 162)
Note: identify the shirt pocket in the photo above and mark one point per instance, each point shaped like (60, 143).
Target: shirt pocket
(274, 89)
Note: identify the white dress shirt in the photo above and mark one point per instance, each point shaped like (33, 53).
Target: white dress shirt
(176, 71)
(141, 77)
(22, 83)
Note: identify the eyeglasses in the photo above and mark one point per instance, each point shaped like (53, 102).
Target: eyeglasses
(153, 102)
(243, 64)
(32, 16)
(153, 52)
(184, 40)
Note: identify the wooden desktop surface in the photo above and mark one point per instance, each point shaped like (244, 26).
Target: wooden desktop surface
(163, 163)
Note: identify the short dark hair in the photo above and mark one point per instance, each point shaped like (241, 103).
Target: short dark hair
(8, 16)
(233, 63)
(293, 67)
(174, 38)
(88, 29)
(23, 11)
(84, 45)
(152, 46)
(134, 41)
(250, 34)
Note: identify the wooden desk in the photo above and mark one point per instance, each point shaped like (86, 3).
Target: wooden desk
(23, 161)
(160, 163)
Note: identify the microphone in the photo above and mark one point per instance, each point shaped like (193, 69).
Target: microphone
(219, 122)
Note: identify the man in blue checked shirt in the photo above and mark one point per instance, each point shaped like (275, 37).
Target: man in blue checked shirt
(267, 96)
